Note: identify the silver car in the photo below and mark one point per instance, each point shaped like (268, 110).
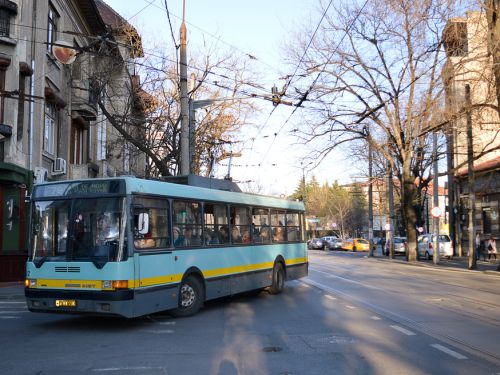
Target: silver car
(425, 246)
(400, 246)
(333, 243)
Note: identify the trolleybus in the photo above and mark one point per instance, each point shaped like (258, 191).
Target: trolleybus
(130, 247)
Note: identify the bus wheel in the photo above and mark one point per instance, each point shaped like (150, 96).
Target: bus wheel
(191, 297)
(278, 279)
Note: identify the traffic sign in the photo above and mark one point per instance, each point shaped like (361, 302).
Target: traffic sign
(436, 211)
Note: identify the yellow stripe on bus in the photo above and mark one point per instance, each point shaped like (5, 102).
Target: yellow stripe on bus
(163, 279)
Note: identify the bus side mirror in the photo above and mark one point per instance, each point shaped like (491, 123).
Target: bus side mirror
(143, 223)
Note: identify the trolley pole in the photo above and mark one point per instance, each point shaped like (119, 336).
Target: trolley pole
(435, 194)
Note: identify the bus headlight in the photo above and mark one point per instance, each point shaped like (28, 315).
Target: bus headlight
(120, 284)
(30, 283)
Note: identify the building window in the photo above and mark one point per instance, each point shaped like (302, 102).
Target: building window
(4, 22)
(101, 140)
(8, 9)
(50, 128)
(52, 28)
(2, 97)
(77, 138)
(487, 220)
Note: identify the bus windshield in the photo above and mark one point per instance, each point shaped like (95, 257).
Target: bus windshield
(79, 230)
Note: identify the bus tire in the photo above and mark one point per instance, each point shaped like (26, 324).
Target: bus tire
(278, 279)
(191, 297)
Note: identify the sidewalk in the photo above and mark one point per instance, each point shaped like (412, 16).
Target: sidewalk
(456, 264)
(12, 291)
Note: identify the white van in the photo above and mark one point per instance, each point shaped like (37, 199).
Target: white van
(425, 246)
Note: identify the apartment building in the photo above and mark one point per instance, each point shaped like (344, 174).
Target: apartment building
(51, 123)
(470, 89)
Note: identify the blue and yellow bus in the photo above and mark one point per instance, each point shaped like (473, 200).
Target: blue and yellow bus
(130, 247)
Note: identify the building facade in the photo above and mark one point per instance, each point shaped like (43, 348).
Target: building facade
(471, 99)
(51, 125)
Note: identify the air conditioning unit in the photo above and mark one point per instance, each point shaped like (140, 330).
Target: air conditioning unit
(59, 166)
(41, 175)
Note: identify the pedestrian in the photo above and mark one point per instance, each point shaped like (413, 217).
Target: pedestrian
(491, 246)
(478, 245)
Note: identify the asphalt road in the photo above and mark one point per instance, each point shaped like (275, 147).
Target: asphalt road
(352, 315)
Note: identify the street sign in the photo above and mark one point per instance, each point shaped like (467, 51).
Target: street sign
(313, 220)
(436, 211)
(387, 226)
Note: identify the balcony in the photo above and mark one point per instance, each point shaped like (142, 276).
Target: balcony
(83, 100)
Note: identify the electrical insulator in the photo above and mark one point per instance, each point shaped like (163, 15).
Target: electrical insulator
(275, 96)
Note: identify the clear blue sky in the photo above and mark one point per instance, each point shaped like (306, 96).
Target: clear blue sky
(258, 28)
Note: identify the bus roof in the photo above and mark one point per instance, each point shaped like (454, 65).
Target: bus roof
(135, 185)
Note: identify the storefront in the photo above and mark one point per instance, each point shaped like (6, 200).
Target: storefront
(15, 184)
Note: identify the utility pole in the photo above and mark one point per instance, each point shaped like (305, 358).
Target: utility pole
(452, 212)
(184, 97)
(435, 197)
(390, 190)
(471, 184)
(370, 195)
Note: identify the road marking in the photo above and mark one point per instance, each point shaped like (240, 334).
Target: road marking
(350, 307)
(448, 351)
(158, 331)
(13, 311)
(374, 317)
(403, 330)
(345, 279)
(330, 297)
(121, 369)
(305, 285)
(167, 323)
(10, 317)
(11, 302)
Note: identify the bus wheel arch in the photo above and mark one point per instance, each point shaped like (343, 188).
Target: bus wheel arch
(191, 293)
(278, 276)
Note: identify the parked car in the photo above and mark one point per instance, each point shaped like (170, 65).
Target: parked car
(425, 246)
(333, 243)
(356, 244)
(400, 246)
(317, 244)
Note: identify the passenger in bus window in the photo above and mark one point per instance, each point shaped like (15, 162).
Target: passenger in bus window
(235, 235)
(224, 234)
(291, 231)
(264, 234)
(246, 237)
(279, 234)
(179, 239)
(188, 237)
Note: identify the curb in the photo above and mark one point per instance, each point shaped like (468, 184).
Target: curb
(453, 269)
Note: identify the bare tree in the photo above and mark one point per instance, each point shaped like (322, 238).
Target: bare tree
(375, 76)
(145, 111)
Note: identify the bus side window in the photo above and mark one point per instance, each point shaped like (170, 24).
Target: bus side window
(151, 223)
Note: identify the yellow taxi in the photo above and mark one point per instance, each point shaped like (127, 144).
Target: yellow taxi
(356, 244)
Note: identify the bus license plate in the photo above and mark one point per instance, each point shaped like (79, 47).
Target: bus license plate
(65, 303)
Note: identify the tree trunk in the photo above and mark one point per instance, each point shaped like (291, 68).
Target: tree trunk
(408, 199)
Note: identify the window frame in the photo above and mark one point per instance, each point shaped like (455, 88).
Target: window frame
(52, 27)
(51, 117)
(147, 204)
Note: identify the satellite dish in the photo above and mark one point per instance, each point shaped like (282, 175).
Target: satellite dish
(64, 52)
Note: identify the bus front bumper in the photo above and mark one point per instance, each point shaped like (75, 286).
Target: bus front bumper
(119, 302)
